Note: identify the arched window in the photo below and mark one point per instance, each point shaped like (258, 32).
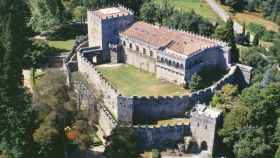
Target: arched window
(162, 60)
(137, 48)
(169, 62)
(182, 66)
(124, 44)
(130, 45)
(177, 65)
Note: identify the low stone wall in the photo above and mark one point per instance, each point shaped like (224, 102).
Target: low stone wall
(161, 136)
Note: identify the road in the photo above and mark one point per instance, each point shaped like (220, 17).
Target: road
(223, 14)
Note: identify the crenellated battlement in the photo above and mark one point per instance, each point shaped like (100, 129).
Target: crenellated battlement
(115, 12)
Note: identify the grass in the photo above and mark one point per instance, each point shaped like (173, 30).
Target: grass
(62, 45)
(199, 6)
(134, 82)
(173, 121)
(252, 17)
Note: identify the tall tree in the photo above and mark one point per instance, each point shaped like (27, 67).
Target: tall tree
(226, 33)
(47, 15)
(16, 121)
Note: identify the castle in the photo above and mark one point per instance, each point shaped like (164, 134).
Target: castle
(173, 55)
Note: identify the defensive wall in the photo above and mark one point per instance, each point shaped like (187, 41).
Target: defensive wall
(151, 136)
(140, 109)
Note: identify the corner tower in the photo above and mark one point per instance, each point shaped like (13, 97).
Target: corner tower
(105, 24)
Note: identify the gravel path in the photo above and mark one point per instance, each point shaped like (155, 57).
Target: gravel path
(223, 14)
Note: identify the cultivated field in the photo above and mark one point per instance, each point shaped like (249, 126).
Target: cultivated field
(199, 6)
(132, 81)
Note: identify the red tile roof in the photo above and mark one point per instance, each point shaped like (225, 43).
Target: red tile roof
(180, 42)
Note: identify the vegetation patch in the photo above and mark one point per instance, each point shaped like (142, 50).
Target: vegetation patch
(198, 6)
(132, 81)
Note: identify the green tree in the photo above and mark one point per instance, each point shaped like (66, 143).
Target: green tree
(148, 12)
(56, 108)
(256, 40)
(17, 117)
(225, 98)
(277, 155)
(155, 153)
(195, 83)
(252, 144)
(226, 33)
(46, 15)
(122, 145)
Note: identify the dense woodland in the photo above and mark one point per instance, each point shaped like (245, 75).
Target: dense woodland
(48, 124)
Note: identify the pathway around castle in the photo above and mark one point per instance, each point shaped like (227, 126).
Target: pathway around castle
(223, 14)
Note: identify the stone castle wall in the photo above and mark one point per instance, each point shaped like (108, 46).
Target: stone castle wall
(106, 121)
(110, 94)
(161, 136)
(158, 108)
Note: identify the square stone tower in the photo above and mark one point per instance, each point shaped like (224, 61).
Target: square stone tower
(204, 124)
(105, 24)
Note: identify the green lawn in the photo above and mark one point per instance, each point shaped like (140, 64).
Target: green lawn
(62, 46)
(132, 81)
(199, 6)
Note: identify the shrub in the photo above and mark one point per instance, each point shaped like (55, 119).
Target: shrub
(155, 153)
(195, 83)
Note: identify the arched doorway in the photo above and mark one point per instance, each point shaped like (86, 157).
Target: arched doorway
(203, 146)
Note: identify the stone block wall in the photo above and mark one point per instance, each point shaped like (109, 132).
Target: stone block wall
(106, 121)
(161, 136)
(146, 109)
(110, 94)
(139, 60)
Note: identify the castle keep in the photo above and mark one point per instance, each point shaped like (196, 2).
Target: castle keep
(173, 56)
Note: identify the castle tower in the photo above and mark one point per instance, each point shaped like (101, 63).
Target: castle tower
(204, 123)
(104, 26)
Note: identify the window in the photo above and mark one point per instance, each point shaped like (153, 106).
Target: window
(197, 124)
(151, 53)
(130, 45)
(144, 51)
(137, 48)
(205, 127)
(124, 43)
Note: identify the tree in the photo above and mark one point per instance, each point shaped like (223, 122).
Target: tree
(195, 83)
(17, 117)
(226, 33)
(256, 40)
(277, 155)
(46, 15)
(252, 144)
(122, 145)
(225, 98)
(56, 109)
(148, 12)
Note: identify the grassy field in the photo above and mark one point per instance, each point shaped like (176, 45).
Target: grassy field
(132, 81)
(199, 6)
(62, 46)
(252, 17)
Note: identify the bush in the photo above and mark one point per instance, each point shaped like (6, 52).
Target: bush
(195, 83)
(268, 36)
(155, 153)
(256, 28)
